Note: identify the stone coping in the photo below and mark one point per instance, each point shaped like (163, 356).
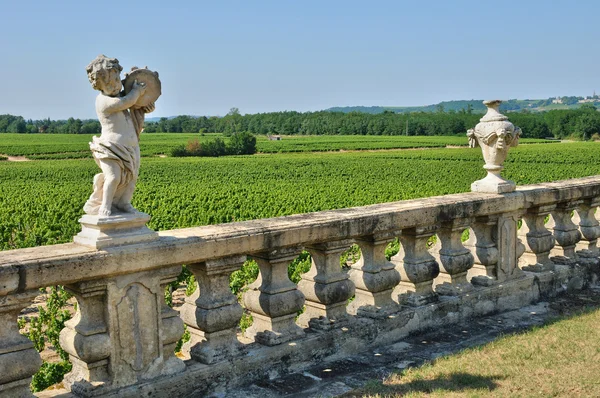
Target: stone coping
(25, 269)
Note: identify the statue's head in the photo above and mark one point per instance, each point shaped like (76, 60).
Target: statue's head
(105, 75)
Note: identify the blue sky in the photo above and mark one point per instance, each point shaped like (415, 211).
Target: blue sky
(263, 56)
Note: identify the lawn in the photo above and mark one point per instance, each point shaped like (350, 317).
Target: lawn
(560, 359)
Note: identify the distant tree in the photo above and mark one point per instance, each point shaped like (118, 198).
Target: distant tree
(242, 144)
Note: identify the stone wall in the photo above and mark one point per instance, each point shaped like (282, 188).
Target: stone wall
(122, 338)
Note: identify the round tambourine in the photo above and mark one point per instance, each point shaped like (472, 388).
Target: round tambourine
(147, 77)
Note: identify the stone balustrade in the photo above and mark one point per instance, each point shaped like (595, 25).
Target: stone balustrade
(121, 340)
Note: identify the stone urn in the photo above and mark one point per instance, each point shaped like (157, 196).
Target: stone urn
(495, 135)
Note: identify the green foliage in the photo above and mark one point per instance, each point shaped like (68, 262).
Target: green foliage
(299, 266)
(246, 321)
(45, 328)
(242, 143)
(50, 373)
(239, 280)
(184, 339)
(50, 321)
(351, 256)
(40, 202)
(239, 144)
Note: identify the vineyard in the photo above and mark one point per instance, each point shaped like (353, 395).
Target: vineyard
(75, 146)
(40, 201)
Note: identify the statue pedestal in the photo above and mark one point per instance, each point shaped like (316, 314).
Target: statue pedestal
(493, 184)
(101, 232)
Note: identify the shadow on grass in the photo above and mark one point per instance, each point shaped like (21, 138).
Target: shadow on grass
(453, 382)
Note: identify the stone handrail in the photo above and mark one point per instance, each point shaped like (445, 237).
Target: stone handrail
(121, 340)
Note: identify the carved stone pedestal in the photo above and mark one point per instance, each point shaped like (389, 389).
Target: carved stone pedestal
(212, 313)
(374, 278)
(120, 229)
(417, 267)
(538, 240)
(326, 288)
(565, 232)
(274, 300)
(18, 359)
(455, 260)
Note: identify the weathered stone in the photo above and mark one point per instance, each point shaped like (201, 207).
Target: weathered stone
(212, 313)
(18, 359)
(117, 151)
(85, 337)
(374, 278)
(454, 258)
(325, 287)
(417, 267)
(585, 217)
(122, 229)
(565, 232)
(273, 299)
(538, 240)
(482, 243)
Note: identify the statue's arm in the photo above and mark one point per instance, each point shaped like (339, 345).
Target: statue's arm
(118, 104)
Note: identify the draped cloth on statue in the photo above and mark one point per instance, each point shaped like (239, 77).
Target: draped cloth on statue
(128, 159)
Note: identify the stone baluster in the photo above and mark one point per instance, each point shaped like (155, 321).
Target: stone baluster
(273, 299)
(538, 240)
(173, 329)
(326, 287)
(565, 232)
(482, 243)
(417, 267)
(18, 359)
(588, 226)
(374, 278)
(454, 258)
(85, 338)
(212, 313)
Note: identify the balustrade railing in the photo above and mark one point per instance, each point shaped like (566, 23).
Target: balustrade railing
(124, 334)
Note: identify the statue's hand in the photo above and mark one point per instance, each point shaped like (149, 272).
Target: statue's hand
(140, 87)
(149, 108)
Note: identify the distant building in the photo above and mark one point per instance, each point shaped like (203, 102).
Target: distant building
(557, 100)
(274, 137)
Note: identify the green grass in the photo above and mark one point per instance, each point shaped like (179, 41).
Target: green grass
(557, 360)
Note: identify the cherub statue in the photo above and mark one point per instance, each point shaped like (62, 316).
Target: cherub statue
(117, 151)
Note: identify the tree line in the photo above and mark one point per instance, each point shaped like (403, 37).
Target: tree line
(579, 123)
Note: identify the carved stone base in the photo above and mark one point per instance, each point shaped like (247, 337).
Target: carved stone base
(483, 280)
(413, 299)
(116, 230)
(273, 331)
(323, 317)
(493, 184)
(453, 289)
(373, 305)
(539, 267)
(209, 348)
(562, 260)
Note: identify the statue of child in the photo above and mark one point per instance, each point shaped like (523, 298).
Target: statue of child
(117, 151)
